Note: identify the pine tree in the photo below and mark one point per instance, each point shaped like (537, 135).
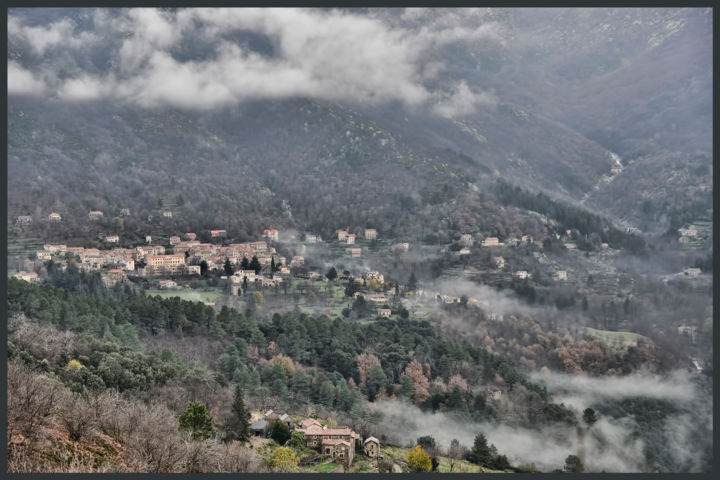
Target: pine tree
(331, 274)
(245, 264)
(196, 421)
(237, 425)
(412, 282)
(255, 265)
(481, 453)
(228, 267)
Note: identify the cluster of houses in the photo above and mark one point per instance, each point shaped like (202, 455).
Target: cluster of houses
(27, 219)
(154, 260)
(349, 238)
(339, 444)
(688, 234)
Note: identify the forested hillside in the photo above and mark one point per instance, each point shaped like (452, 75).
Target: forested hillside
(94, 346)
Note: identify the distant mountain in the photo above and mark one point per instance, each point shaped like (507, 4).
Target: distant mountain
(571, 87)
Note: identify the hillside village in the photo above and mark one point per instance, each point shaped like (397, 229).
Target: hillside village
(224, 273)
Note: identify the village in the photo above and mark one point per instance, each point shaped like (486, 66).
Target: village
(175, 266)
(357, 275)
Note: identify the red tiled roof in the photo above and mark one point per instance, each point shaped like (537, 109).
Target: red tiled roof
(308, 422)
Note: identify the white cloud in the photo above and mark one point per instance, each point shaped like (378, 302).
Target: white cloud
(463, 101)
(581, 391)
(84, 88)
(57, 34)
(331, 55)
(23, 82)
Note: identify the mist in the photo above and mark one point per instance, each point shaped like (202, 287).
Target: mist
(611, 444)
(610, 447)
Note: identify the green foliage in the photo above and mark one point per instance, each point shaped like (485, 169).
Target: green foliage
(376, 380)
(481, 453)
(279, 432)
(573, 465)
(589, 416)
(196, 421)
(331, 274)
(326, 348)
(427, 443)
(327, 393)
(297, 440)
(237, 425)
(228, 268)
(352, 287)
(255, 265)
(570, 217)
(501, 462)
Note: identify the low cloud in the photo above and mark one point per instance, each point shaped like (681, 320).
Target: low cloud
(681, 441)
(463, 101)
(23, 82)
(547, 447)
(331, 55)
(581, 391)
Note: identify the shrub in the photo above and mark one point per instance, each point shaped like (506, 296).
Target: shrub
(418, 460)
(284, 459)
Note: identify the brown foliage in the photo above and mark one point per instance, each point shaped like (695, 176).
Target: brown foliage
(420, 382)
(365, 361)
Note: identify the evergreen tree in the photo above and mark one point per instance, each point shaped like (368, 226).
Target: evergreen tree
(573, 464)
(412, 282)
(327, 393)
(196, 421)
(245, 264)
(406, 386)
(255, 265)
(376, 380)
(481, 453)
(501, 462)
(279, 432)
(589, 416)
(228, 267)
(351, 288)
(331, 274)
(237, 426)
(203, 267)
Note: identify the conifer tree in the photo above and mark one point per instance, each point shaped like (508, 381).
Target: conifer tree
(237, 425)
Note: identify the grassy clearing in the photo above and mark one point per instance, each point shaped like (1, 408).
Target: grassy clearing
(461, 466)
(324, 467)
(616, 340)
